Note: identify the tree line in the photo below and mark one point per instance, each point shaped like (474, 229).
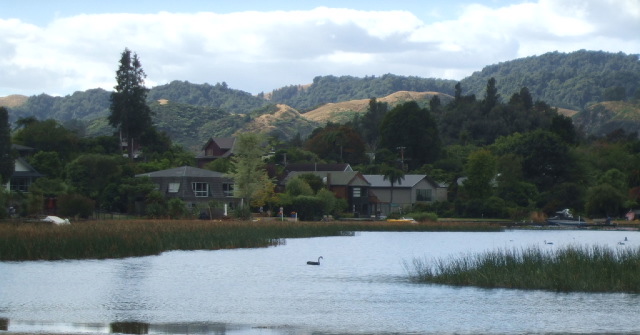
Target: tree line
(499, 157)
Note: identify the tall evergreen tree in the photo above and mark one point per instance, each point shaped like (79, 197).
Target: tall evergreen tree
(6, 161)
(129, 110)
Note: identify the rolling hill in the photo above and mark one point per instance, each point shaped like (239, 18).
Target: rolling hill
(596, 89)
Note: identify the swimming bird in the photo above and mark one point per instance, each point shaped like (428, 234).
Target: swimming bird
(545, 242)
(314, 263)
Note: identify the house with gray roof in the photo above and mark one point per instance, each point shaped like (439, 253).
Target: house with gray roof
(348, 185)
(193, 185)
(410, 190)
(23, 173)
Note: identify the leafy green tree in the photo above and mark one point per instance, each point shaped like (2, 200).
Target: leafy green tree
(314, 181)
(89, 175)
(248, 170)
(604, 200)
(6, 159)
(48, 163)
(297, 186)
(222, 165)
(130, 113)
(481, 173)
(370, 123)
(413, 130)
(48, 135)
(339, 143)
(491, 96)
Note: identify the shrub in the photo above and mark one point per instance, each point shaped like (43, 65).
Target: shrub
(308, 207)
(75, 205)
(176, 208)
(424, 217)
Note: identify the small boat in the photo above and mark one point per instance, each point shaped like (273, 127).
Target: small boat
(410, 220)
(565, 218)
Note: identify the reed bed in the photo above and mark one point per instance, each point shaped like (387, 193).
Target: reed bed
(118, 239)
(568, 269)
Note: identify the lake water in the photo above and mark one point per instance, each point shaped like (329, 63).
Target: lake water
(361, 287)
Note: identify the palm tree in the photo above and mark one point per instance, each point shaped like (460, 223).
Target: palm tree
(393, 175)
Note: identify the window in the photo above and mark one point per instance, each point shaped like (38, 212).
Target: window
(173, 187)
(423, 195)
(356, 192)
(200, 189)
(227, 190)
(20, 184)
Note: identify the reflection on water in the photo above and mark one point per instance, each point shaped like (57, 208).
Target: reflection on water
(360, 287)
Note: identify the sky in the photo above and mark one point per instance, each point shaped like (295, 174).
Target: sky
(59, 47)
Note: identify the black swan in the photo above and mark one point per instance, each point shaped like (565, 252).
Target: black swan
(314, 263)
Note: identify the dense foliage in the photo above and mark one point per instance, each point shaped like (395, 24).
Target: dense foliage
(326, 89)
(570, 80)
(500, 155)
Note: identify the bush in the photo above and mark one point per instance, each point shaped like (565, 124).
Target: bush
(424, 217)
(155, 210)
(308, 207)
(75, 205)
(176, 208)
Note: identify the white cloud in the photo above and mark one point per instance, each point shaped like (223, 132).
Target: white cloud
(259, 51)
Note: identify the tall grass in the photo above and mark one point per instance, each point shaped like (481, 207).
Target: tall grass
(117, 239)
(573, 268)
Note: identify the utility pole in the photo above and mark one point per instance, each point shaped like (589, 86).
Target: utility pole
(401, 156)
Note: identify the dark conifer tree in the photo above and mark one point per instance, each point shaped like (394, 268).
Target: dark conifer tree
(129, 110)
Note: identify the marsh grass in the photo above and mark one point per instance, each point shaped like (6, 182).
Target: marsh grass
(573, 268)
(121, 238)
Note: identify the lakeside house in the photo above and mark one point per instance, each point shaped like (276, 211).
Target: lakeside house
(193, 185)
(410, 190)
(23, 173)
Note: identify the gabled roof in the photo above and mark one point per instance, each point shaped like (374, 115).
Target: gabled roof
(24, 169)
(183, 171)
(334, 178)
(221, 142)
(409, 180)
(318, 167)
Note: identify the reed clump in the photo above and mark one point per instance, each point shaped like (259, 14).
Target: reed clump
(117, 239)
(568, 269)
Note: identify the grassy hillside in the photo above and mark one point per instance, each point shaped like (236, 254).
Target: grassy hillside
(281, 121)
(12, 101)
(604, 117)
(344, 111)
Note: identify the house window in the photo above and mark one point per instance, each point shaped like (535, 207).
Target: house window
(423, 195)
(173, 187)
(227, 190)
(356, 192)
(200, 189)
(19, 184)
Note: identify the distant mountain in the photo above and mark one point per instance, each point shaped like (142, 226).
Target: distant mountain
(572, 80)
(579, 83)
(332, 89)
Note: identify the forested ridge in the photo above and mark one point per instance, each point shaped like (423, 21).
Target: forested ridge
(575, 80)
